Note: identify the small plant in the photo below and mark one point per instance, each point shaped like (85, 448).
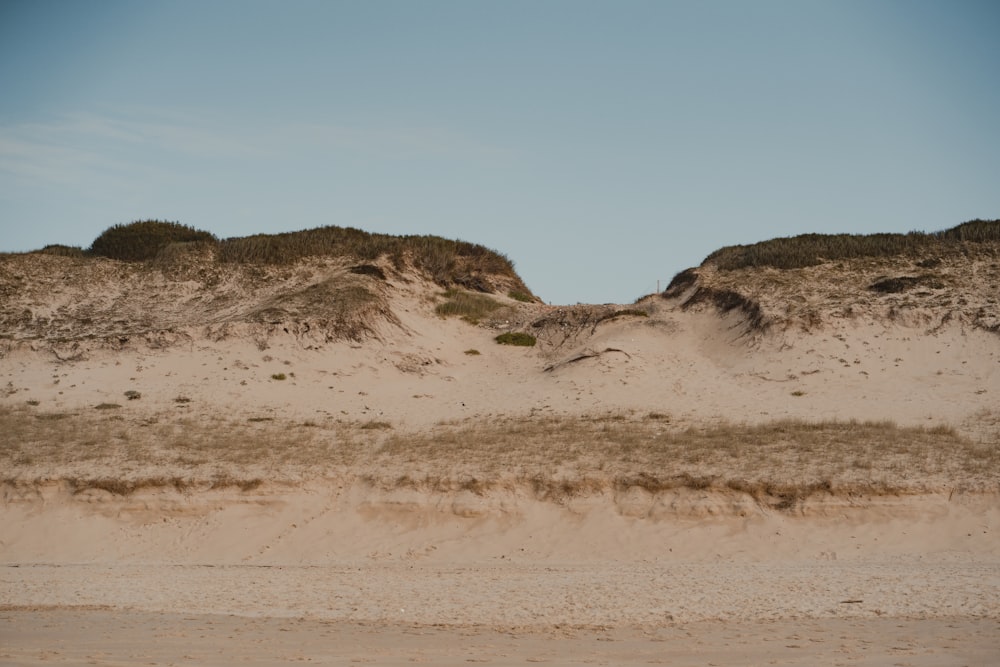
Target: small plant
(472, 352)
(518, 295)
(107, 406)
(278, 376)
(516, 338)
(798, 392)
(375, 425)
(133, 395)
(182, 399)
(260, 419)
(32, 402)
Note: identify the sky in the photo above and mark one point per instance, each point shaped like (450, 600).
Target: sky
(602, 146)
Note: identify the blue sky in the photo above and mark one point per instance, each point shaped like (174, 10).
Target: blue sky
(601, 145)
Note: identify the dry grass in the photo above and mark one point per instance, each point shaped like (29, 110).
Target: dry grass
(778, 458)
(195, 449)
(779, 462)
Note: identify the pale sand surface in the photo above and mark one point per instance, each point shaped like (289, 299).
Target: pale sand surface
(331, 569)
(265, 577)
(103, 637)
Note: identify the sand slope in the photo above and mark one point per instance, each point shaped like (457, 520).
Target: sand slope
(333, 560)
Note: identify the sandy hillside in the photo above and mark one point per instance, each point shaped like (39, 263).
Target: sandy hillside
(788, 457)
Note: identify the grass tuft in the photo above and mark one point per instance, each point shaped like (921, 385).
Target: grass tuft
(516, 338)
(523, 297)
(470, 306)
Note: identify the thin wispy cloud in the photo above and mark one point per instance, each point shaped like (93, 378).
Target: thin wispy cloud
(394, 142)
(38, 158)
(69, 149)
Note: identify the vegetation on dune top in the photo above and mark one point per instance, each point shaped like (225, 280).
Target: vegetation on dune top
(445, 261)
(811, 249)
(144, 239)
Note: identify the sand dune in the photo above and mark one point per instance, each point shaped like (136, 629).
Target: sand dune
(668, 481)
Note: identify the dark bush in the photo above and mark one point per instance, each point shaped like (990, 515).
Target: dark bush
(811, 249)
(368, 270)
(143, 240)
(518, 295)
(973, 230)
(903, 283)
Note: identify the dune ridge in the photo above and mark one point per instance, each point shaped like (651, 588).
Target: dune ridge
(817, 441)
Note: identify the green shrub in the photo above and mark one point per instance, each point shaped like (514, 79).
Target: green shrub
(518, 295)
(472, 352)
(469, 306)
(516, 338)
(278, 376)
(142, 240)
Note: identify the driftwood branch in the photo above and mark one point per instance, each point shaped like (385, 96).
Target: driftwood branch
(589, 354)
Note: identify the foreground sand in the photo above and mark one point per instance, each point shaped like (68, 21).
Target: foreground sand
(102, 637)
(266, 576)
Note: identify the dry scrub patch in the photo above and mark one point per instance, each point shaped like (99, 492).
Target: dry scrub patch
(781, 461)
(782, 458)
(177, 450)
